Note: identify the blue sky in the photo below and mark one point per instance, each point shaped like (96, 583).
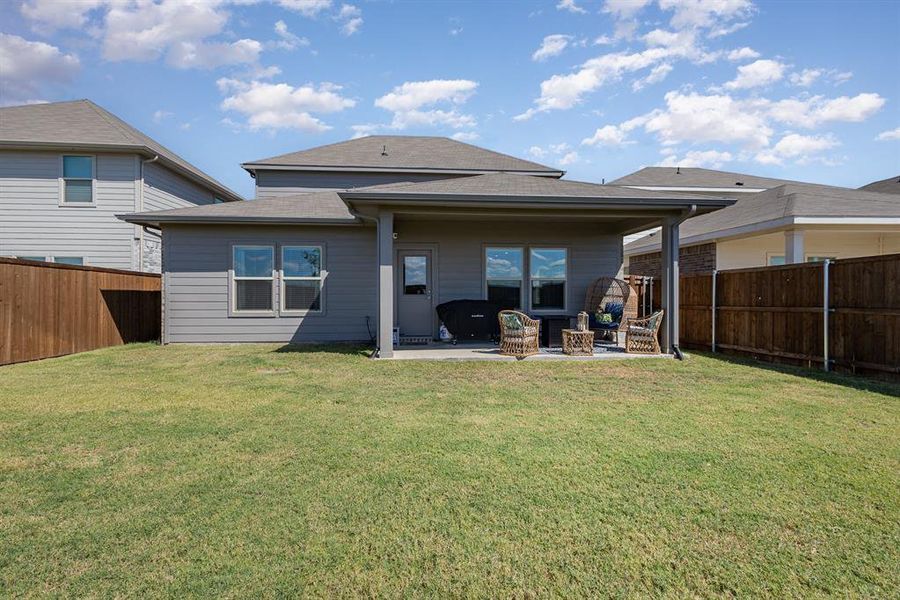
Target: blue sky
(800, 90)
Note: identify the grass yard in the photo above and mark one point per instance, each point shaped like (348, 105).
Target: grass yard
(245, 471)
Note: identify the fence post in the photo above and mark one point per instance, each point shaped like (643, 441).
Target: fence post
(713, 304)
(825, 308)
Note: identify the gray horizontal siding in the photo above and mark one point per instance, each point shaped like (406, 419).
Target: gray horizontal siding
(198, 258)
(33, 224)
(591, 252)
(165, 189)
(282, 183)
(197, 261)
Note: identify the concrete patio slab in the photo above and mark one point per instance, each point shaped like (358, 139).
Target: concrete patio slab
(488, 351)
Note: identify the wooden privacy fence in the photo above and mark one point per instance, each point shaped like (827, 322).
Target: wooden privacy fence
(780, 314)
(51, 309)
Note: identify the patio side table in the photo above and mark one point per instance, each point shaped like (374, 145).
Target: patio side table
(578, 343)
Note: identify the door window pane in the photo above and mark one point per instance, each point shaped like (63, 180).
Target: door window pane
(415, 275)
(253, 261)
(504, 272)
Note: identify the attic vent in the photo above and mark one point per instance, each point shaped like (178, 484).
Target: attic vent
(384, 150)
(738, 183)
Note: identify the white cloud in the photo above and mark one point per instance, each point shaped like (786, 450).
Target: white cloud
(49, 15)
(413, 104)
(889, 135)
(806, 77)
(288, 40)
(568, 159)
(744, 53)
(465, 136)
(608, 135)
(202, 55)
(706, 13)
(553, 45)
(280, 105)
(27, 66)
(456, 31)
(724, 30)
(796, 147)
(816, 110)
(308, 8)
(657, 74)
(570, 6)
(161, 115)
(756, 74)
(146, 31)
(624, 9)
(713, 159)
(694, 117)
(537, 152)
(350, 18)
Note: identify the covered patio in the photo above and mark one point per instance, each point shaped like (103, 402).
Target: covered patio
(487, 351)
(453, 227)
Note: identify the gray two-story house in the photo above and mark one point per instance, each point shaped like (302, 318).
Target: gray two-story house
(66, 170)
(351, 240)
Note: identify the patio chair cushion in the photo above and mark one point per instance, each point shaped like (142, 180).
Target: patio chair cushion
(599, 321)
(615, 309)
(512, 322)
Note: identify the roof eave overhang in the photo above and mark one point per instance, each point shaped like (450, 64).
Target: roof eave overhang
(770, 226)
(253, 167)
(220, 190)
(702, 205)
(159, 220)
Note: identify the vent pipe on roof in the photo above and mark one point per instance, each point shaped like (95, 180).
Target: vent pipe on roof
(678, 170)
(384, 150)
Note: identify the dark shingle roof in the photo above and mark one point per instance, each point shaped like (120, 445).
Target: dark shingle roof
(694, 177)
(891, 185)
(81, 123)
(400, 152)
(786, 201)
(313, 207)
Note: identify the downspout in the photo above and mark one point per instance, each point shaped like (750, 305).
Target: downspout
(141, 209)
(685, 215)
(375, 353)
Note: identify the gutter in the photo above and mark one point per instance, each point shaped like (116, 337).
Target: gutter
(376, 353)
(141, 209)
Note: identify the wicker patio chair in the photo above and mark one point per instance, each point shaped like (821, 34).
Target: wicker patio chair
(519, 334)
(607, 291)
(641, 335)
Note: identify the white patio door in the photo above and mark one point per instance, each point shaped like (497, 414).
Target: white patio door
(415, 309)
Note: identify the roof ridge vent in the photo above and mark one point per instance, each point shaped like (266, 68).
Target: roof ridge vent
(738, 183)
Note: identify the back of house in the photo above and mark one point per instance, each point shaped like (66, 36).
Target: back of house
(66, 170)
(347, 241)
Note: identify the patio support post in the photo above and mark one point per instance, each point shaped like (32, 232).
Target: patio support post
(386, 284)
(670, 244)
(793, 247)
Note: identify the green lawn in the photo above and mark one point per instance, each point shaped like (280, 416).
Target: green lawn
(240, 470)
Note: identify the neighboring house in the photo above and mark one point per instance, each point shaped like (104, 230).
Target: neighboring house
(786, 222)
(891, 185)
(66, 170)
(396, 225)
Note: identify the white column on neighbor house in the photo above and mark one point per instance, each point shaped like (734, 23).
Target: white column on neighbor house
(386, 284)
(793, 247)
(670, 251)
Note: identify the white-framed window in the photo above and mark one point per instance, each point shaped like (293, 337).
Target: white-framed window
(776, 260)
(302, 276)
(77, 181)
(547, 269)
(815, 259)
(253, 269)
(504, 273)
(37, 258)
